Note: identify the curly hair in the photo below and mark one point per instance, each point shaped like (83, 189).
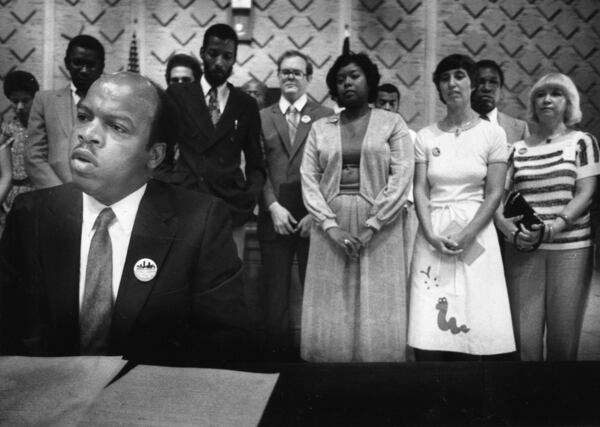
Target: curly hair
(454, 62)
(363, 61)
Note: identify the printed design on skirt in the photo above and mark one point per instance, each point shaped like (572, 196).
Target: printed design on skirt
(450, 324)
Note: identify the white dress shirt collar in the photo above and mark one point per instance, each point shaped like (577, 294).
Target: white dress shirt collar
(299, 104)
(493, 116)
(120, 233)
(76, 97)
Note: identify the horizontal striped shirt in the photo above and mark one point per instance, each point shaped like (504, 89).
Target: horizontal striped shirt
(546, 175)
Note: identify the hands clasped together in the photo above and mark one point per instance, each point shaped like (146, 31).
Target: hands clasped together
(285, 223)
(350, 243)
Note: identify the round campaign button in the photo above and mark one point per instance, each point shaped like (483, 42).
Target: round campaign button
(145, 270)
(436, 152)
(522, 150)
(305, 119)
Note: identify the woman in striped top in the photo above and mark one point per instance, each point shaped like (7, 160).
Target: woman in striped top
(555, 170)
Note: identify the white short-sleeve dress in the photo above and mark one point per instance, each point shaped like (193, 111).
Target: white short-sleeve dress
(455, 306)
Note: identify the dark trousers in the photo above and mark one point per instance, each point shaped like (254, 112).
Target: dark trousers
(277, 259)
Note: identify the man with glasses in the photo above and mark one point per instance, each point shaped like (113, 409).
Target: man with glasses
(485, 98)
(219, 123)
(53, 114)
(284, 223)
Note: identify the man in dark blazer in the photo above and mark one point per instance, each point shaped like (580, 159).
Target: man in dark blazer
(219, 123)
(53, 114)
(284, 223)
(485, 98)
(161, 282)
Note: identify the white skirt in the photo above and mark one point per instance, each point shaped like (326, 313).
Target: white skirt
(455, 306)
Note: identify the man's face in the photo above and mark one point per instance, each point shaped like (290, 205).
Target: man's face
(293, 80)
(218, 57)
(181, 74)
(487, 93)
(110, 157)
(387, 101)
(85, 66)
(253, 89)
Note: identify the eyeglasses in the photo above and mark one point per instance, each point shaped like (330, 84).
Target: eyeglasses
(291, 73)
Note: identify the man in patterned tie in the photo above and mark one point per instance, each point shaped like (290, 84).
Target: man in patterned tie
(283, 223)
(116, 262)
(219, 123)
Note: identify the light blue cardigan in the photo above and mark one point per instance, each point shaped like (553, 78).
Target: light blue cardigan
(386, 168)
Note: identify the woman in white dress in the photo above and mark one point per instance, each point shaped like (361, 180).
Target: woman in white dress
(459, 306)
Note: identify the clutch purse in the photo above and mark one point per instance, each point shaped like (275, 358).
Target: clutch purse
(517, 205)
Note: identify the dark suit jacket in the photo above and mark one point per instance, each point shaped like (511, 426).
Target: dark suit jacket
(515, 129)
(283, 161)
(190, 312)
(209, 157)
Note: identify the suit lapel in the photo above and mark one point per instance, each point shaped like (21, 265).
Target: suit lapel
(66, 110)
(199, 116)
(151, 238)
(303, 128)
(282, 128)
(60, 249)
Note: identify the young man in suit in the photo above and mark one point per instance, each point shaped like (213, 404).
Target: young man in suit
(485, 98)
(284, 223)
(218, 123)
(115, 262)
(53, 114)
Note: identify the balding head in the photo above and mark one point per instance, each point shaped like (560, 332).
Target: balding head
(114, 151)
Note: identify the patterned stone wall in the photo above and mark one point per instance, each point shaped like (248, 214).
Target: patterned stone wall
(529, 37)
(393, 33)
(21, 39)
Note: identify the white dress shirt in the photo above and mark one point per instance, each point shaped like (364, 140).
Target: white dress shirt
(222, 93)
(76, 97)
(120, 232)
(493, 116)
(299, 104)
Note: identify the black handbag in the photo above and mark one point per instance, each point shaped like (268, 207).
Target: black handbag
(516, 205)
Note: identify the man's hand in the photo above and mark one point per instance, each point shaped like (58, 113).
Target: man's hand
(304, 225)
(283, 221)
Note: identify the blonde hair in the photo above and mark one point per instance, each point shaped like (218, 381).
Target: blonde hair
(566, 85)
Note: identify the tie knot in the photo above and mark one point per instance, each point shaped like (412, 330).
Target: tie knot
(484, 117)
(104, 219)
(292, 110)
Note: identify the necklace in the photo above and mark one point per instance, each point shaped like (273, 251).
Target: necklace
(459, 127)
(558, 134)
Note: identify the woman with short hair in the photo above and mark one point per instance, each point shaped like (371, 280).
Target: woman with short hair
(458, 302)
(555, 171)
(356, 171)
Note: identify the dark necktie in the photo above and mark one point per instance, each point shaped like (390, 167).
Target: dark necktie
(292, 117)
(96, 308)
(484, 117)
(213, 106)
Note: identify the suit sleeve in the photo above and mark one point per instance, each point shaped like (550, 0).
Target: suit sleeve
(219, 312)
(253, 153)
(36, 154)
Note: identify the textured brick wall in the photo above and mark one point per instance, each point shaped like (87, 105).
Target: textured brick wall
(529, 37)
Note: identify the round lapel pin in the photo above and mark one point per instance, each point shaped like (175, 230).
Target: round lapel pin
(305, 119)
(436, 151)
(145, 270)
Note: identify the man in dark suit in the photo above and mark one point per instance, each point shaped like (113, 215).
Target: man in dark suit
(217, 124)
(115, 262)
(53, 114)
(485, 98)
(284, 223)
